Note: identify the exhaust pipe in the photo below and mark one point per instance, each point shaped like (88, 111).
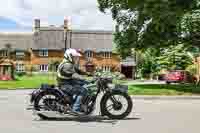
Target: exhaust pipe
(30, 107)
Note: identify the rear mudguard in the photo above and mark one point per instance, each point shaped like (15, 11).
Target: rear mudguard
(37, 92)
(34, 95)
(118, 88)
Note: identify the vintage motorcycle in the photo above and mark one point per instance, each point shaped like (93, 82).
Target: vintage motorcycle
(115, 102)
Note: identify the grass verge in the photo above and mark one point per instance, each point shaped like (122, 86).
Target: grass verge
(35, 81)
(163, 89)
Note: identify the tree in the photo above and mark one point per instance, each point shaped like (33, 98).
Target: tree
(147, 23)
(53, 65)
(175, 57)
(31, 68)
(151, 61)
(191, 28)
(8, 48)
(147, 63)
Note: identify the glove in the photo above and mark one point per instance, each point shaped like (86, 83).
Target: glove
(77, 76)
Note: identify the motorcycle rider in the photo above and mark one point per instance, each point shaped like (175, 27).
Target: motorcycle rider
(68, 73)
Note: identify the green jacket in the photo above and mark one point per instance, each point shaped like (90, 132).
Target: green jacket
(67, 70)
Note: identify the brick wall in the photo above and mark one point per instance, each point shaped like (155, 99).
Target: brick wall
(33, 59)
(99, 61)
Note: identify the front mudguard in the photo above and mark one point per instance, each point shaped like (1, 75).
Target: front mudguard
(119, 89)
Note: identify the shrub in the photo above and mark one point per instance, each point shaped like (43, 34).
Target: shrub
(114, 75)
(119, 75)
(192, 69)
(20, 74)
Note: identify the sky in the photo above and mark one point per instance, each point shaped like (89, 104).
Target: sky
(19, 15)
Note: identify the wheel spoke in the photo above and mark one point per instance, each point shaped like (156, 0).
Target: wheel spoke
(113, 99)
(47, 102)
(45, 97)
(111, 105)
(119, 98)
(124, 104)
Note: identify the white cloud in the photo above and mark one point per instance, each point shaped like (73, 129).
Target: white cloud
(84, 13)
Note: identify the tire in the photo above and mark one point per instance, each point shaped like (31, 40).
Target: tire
(37, 100)
(168, 82)
(112, 116)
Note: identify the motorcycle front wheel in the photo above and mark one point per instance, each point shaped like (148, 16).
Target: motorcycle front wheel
(116, 105)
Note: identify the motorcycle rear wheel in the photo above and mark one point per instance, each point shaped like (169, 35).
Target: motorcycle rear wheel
(37, 105)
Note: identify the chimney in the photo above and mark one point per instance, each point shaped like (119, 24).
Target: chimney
(66, 23)
(37, 24)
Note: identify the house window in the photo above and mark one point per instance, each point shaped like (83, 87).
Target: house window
(43, 53)
(20, 68)
(89, 54)
(44, 68)
(106, 68)
(4, 53)
(107, 55)
(20, 54)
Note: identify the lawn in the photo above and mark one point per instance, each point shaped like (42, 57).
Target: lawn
(163, 89)
(147, 89)
(28, 82)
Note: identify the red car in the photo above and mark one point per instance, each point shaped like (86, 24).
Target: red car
(179, 76)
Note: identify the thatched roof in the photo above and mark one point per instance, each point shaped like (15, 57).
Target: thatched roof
(53, 38)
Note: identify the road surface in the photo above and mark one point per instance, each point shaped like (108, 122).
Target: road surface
(148, 116)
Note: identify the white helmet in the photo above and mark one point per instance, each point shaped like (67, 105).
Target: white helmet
(69, 53)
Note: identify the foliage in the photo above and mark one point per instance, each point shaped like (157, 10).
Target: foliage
(175, 57)
(191, 28)
(192, 69)
(114, 75)
(53, 64)
(144, 24)
(147, 63)
(20, 74)
(151, 61)
(31, 68)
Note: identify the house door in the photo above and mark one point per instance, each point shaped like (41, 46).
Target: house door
(5, 70)
(127, 71)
